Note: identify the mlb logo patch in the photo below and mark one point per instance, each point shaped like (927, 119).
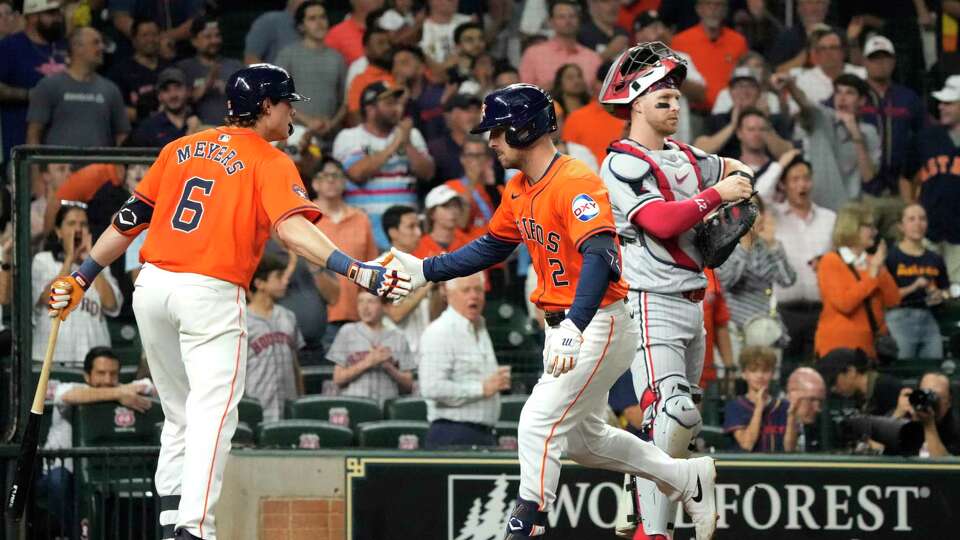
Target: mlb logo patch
(585, 208)
(223, 138)
(302, 193)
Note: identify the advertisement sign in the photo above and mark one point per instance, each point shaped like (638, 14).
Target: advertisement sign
(470, 499)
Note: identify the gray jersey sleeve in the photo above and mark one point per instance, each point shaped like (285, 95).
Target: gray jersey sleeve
(711, 166)
(630, 182)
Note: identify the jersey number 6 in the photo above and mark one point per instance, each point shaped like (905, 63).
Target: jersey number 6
(189, 211)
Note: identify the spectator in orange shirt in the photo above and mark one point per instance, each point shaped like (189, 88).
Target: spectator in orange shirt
(348, 37)
(851, 279)
(444, 208)
(477, 186)
(714, 48)
(591, 125)
(376, 46)
(716, 316)
(351, 229)
(81, 186)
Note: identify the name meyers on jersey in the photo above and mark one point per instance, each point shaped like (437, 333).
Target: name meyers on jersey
(221, 153)
(533, 231)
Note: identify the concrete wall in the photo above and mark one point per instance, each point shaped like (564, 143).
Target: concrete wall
(282, 496)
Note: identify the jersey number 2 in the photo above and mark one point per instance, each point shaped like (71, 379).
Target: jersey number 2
(558, 270)
(189, 211)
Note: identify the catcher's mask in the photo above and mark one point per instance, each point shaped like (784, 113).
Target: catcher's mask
(641, 68)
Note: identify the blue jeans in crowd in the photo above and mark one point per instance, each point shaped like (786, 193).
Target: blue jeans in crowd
(916, 332)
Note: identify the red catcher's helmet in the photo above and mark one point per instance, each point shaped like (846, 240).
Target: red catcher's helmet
(635, 71)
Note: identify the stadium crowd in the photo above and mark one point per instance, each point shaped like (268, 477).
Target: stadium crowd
(848, 112)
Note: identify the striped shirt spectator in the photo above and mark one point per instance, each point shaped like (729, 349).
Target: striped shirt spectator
(384, 157)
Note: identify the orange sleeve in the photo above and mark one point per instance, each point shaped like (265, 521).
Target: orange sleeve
(281, 191)
(839, 287)
(502, 224)
(149, 188)
(583, 205)
(84, 183)
(353, 95)
(888, 288)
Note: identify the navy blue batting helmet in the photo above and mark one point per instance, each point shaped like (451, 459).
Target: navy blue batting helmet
(248, 87)
(525, 110)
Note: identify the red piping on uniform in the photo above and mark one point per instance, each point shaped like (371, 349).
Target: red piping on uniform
(546, 443)
(226, 409)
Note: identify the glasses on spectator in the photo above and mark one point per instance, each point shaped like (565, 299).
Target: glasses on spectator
(75, 204)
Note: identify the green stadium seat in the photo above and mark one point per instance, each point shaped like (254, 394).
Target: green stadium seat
(402, 434)
(314, 377)
(506, 433)
(63, 374)
(304, 434)
(358, 410)
(712, 408)
(250, 411)
(407, 408)
(125, 341)
(242, 437)
(112, 424)
(510, 406)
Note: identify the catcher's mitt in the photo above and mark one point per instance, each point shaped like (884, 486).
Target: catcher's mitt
(718, 235)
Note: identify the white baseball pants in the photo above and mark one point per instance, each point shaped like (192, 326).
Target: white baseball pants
(569, 409)
(193, 329)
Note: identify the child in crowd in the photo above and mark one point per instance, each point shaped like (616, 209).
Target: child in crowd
(273, 372)
(757, 421)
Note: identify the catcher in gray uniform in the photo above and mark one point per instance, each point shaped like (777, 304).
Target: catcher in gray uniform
(677, 210)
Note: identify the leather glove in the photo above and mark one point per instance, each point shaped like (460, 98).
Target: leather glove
(562, 348)
(375, 277)
(65, 296)
(411, 265)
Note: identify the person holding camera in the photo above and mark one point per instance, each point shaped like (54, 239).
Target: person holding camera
(929, 403)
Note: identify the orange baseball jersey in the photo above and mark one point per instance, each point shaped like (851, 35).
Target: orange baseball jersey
(553, 217)
(215, 195)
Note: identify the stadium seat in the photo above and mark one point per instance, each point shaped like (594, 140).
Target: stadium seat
(304, 434)
(250, 411)
(63, 374)
(712, 405)
(506, 433)
(314, 377)
(402, 434)
(510, 406)
(125, 341)
(328, 408)
(407, 408)
(112, 424)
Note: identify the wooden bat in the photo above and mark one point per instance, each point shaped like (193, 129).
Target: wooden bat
(17, 497)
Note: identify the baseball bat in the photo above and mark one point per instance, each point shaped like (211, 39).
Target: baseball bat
(17, 497)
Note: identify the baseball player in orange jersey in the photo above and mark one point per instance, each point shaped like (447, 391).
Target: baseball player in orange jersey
(561, 211)
(210, 200)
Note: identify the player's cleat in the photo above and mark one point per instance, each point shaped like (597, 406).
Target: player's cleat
(526, 521)
(699, 496)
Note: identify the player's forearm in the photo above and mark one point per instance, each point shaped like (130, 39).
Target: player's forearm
(110, 246)
(305, 239)
(601, 265)
(479, 254)
(665, 220)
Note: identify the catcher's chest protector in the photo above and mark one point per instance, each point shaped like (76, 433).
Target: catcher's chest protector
(670, 189)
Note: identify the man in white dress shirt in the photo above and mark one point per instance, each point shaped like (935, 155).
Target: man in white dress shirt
(806, 228)
(459, 374)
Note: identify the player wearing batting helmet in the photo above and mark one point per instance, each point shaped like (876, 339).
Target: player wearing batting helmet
(208, 204)
(561, 211)
(660, 190)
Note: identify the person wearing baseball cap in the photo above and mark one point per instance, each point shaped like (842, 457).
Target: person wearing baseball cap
(445, 209)
(174, 118)
(23, 54)
(898, 113)
(462, 112)
(931, 175)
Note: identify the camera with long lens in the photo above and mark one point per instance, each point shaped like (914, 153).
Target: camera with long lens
(899, 436)
(924, 399)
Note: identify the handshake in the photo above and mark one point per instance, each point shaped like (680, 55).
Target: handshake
(392, 276)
